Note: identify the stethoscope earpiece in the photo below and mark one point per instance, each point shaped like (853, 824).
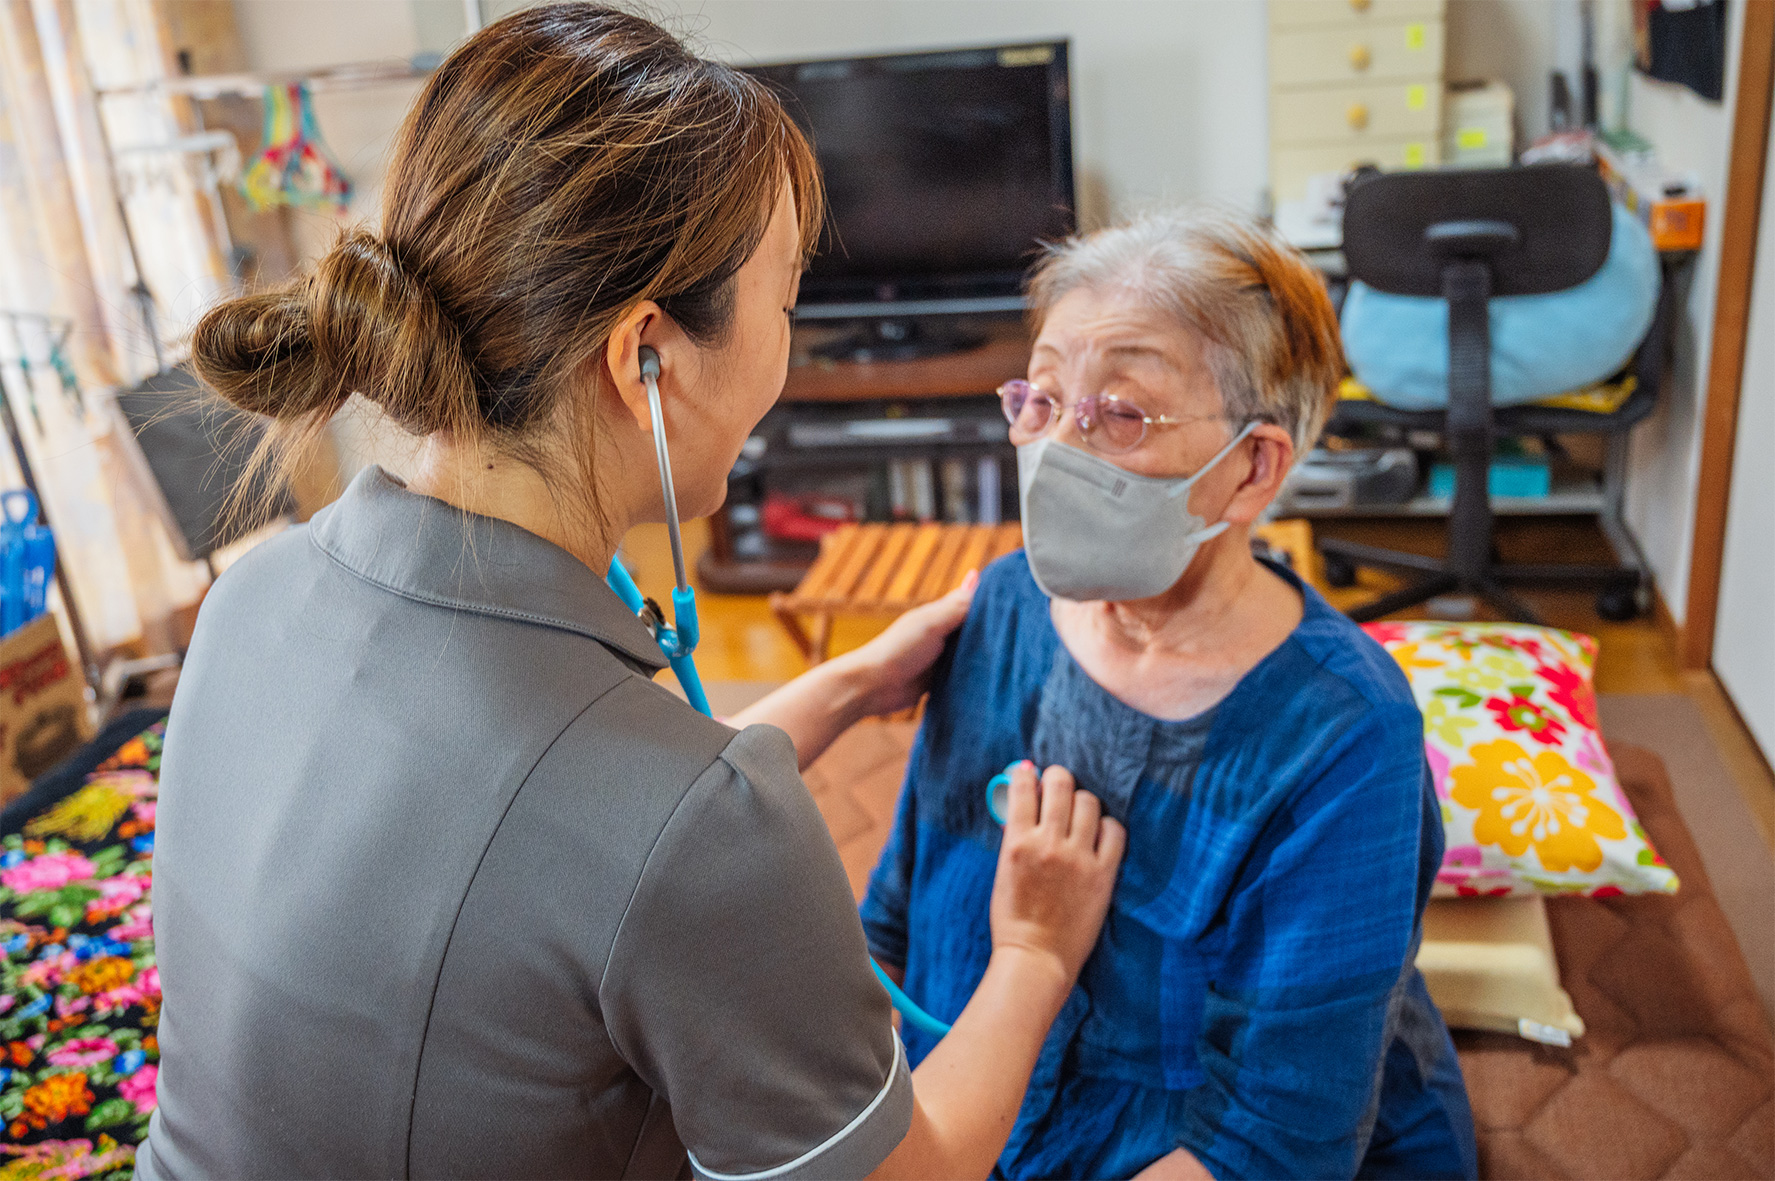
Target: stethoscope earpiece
(678, 639)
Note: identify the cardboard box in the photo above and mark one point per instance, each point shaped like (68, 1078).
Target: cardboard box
(43, 715)
(1669, 203)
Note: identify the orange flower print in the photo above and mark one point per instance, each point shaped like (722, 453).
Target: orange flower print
(55, 1099)
(1411, 660)
(1540, 800)
(102, 974)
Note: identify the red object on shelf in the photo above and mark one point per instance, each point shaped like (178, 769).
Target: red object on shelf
(804, 518)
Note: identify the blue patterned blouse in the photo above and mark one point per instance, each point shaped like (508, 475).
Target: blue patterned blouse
(1252, 997)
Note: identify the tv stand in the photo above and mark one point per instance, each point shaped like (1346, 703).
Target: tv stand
(899, 338)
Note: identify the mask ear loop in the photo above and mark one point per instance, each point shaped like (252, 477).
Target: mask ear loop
(1215, 530)
(1184, 486)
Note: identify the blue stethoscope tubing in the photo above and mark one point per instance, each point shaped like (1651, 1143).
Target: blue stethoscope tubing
(678, 640)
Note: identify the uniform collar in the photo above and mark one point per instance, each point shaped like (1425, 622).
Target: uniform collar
(431, 552)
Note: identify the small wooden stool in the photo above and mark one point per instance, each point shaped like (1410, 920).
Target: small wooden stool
(886, 569)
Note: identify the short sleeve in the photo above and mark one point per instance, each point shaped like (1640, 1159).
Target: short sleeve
(739, 985)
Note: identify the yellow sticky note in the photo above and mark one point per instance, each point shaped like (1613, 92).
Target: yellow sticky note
(1414, 36)
(1417, 97)
(1028, 55)
(1471, 137)
(1414, 155)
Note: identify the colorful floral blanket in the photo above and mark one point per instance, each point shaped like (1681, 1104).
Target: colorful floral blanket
(79, 992)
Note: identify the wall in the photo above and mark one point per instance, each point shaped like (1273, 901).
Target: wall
(1518, 42)
(358, 125)
(1169, 105)
(1521, 41)
(1691, 135)
(1744, 636)
(1169, 95)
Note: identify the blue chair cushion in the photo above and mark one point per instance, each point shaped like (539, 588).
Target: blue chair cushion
(1541, 345)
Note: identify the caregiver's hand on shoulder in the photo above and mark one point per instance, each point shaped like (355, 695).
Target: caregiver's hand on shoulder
(1056, 868)
(888, 673)
(896, 665)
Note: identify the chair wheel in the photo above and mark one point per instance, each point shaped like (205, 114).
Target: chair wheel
(1618, 604)
(1339, 571)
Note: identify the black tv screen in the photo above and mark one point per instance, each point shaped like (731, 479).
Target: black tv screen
(944, 171)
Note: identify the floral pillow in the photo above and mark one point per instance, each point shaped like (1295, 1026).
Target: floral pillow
(1530, 802)
(79, 992)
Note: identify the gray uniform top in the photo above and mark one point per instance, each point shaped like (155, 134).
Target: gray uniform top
(444, 884)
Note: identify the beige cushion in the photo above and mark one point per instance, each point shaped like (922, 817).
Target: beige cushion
(1489, 964)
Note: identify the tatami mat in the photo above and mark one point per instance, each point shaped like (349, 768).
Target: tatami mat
(1737, 859)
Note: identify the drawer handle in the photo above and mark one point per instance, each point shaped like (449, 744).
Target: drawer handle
(1357, 116)
(1359, 57)
(1360, 5)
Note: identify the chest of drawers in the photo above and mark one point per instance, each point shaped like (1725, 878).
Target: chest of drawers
(1353, 82)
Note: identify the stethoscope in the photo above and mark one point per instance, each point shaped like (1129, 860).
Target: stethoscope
(678, 639)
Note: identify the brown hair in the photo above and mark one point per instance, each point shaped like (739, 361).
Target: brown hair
(564, 164)
(1260, 308)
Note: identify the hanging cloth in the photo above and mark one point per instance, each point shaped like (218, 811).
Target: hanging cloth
(294, 167)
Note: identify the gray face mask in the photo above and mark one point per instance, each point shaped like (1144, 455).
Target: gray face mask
(1096, 531)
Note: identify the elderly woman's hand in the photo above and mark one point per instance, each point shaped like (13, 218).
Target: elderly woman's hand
(1056, 868)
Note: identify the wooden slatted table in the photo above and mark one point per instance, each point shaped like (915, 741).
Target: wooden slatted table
(883, 570)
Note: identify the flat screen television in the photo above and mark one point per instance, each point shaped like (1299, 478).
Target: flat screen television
(944, 172)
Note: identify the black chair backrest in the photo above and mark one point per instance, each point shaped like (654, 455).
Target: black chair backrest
(1399, 227)
(197, 448)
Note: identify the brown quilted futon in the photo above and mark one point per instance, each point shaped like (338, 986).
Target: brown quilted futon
(1675, 1076)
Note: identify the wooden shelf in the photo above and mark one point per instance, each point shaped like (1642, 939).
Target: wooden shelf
(1570, 496)
(977, 371)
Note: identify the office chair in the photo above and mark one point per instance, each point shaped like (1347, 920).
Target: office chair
(1466, 236)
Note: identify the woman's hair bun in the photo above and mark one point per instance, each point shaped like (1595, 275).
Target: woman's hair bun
(361, 323)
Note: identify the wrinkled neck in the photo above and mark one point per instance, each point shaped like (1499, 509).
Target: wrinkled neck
(1214, 592)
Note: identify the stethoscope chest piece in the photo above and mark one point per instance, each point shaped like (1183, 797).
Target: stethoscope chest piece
(998, 795)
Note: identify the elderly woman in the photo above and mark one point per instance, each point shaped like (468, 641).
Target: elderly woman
(1252, 1008)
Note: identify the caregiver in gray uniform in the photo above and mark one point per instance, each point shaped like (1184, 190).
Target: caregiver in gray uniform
(445, 884)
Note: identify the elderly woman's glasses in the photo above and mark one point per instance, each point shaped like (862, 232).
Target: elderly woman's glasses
(1108, 423)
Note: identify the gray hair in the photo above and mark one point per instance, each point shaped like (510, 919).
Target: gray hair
(1259, 308)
